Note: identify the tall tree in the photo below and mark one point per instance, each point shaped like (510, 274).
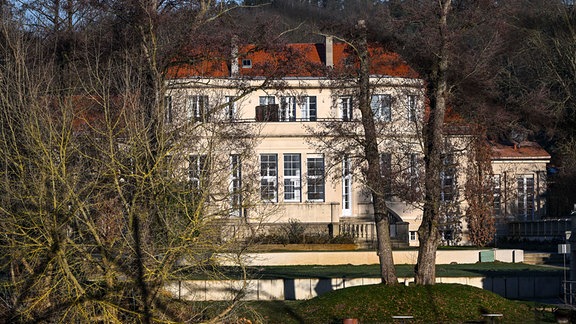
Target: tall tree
(428, 234)
(374, 176)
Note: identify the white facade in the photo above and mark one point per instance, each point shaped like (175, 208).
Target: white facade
(294, 169)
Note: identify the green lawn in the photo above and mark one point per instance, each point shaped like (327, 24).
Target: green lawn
(441, 303)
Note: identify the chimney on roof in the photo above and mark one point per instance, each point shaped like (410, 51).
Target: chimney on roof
(329, 45)
(234, 67)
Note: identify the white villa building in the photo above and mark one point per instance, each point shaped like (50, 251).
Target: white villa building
(295, 106)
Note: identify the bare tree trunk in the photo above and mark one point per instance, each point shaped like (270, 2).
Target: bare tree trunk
(428, 234)
(374, 173)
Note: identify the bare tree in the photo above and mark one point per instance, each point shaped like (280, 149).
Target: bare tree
(479, 192)
(106, 200)
(356, 143)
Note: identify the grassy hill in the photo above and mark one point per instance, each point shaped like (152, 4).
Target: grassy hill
(441, 303)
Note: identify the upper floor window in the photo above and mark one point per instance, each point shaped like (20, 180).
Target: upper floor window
(345, 108)
(315, 178)
(308, 108)
(288, 108)
(231, 110)
(292, 177)
(412, 112)
(247, 63)
(267, 100)
(168, 109)
(267, 111)
(269, 177)
(382, 107)
(197, 108)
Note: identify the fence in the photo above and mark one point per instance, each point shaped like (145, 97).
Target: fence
(540, 229)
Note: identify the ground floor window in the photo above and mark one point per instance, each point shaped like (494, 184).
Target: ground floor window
(236, 185)
(269, 177)
(292, 177)
(525, 202)
(315, 178)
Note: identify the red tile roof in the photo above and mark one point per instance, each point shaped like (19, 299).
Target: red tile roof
(525, 150)
(292, 60)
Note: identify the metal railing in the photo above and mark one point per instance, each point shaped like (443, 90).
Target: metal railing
(540, 228)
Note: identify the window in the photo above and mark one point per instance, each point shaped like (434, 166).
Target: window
(386, 171)
(292, 177)
(448, 179)
(413, 236)
(269, 177)
(308, 108)
(247, 63)
(412, 99)
(197, 173)
(168, 109)
(267, 100)
(497, 190)
(346, 187)
(236, 185)
(382, 107)
(411, 176)
(413, 168)
(267, 111)
(197, 108)
(288, 109)
(525, 197)
(346, 108)
(315, 178)
(231, 108)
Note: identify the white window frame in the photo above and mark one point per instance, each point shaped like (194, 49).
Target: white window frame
(197, 107)
(269, 177)
(448, 184)
(346, 186)
(198, 166)
(309, 108)
(346, 108)
(525, 203)
(497, 192)
(266, 100)
(315, 177)
(292, 177)
(236, 185)
(287, 109)
(231, 108)
(381, 105)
